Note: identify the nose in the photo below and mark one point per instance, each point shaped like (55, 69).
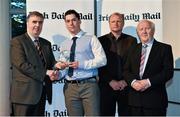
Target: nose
(144, 30)
(71, 22)
(37, 24)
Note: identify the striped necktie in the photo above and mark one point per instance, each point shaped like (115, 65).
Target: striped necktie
(143, 56)
(36, 43)
(39, 50)
(38, 47)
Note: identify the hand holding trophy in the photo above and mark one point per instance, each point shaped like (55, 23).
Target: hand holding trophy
(64, 58)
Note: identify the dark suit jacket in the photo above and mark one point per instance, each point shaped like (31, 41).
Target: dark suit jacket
(159, 69)
(115, 58)
(28, 71)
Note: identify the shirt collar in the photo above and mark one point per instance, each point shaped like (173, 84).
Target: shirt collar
(150, 42)
(32, 38)
(112, 37)
(78, 35)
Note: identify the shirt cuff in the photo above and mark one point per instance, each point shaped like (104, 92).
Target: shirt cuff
(133, 82)
(149, 82)
(47, 72)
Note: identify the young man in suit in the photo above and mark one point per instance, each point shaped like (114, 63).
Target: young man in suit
(148, 68)
(32, 69)
(112, 85)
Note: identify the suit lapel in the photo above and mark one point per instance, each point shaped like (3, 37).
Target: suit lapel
(139, 56)
(152, 54)
(32, 47)
(43, 49)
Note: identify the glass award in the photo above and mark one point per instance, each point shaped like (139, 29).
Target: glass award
(64, 56)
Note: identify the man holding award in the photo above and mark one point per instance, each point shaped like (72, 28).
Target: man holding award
(32, 69)
(85, 56)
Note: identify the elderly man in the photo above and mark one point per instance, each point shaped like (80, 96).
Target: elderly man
(148, 68)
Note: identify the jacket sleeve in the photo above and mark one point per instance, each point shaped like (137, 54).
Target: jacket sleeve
(128, 72)
(166, 72)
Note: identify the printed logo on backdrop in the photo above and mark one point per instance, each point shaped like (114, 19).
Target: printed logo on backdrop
(131, 20)
(56, 15)
(133, 16)
(130, 17)
(56, 113)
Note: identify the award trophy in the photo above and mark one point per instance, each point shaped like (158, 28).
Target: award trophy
(64, 56)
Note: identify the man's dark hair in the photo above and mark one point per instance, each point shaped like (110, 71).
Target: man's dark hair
(35, 13)
(71, 11)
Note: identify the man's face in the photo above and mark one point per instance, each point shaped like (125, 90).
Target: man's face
(72, 24)
(145, 31)
(116, 23)
(34, 25)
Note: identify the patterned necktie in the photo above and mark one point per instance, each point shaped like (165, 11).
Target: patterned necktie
(38, 47)
(143, 56)
(72, 54)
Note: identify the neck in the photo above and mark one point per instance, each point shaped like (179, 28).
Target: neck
(117, 34)
(75, 33)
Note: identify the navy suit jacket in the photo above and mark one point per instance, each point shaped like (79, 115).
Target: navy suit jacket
(159, 69)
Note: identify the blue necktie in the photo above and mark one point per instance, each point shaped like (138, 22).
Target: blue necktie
(72, 54)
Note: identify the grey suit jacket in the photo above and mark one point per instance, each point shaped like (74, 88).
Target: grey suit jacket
(28, 71)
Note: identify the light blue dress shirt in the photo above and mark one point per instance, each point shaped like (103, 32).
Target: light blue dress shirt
(88, 52)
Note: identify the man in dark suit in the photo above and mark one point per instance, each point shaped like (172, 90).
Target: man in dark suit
(112, 85)
(32, 75)
(148, 68)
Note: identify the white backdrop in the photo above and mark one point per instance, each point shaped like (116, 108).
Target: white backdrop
(54, 28)
(55, 31)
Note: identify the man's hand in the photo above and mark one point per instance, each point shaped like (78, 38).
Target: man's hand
(114, 84)
(53, 75)
(145, 84)
(74, 64)
(137, 85)
(61, 65)
(122, 84)
(141, 85)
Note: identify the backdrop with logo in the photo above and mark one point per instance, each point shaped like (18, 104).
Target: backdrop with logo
(133, 11)
(94, 15)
